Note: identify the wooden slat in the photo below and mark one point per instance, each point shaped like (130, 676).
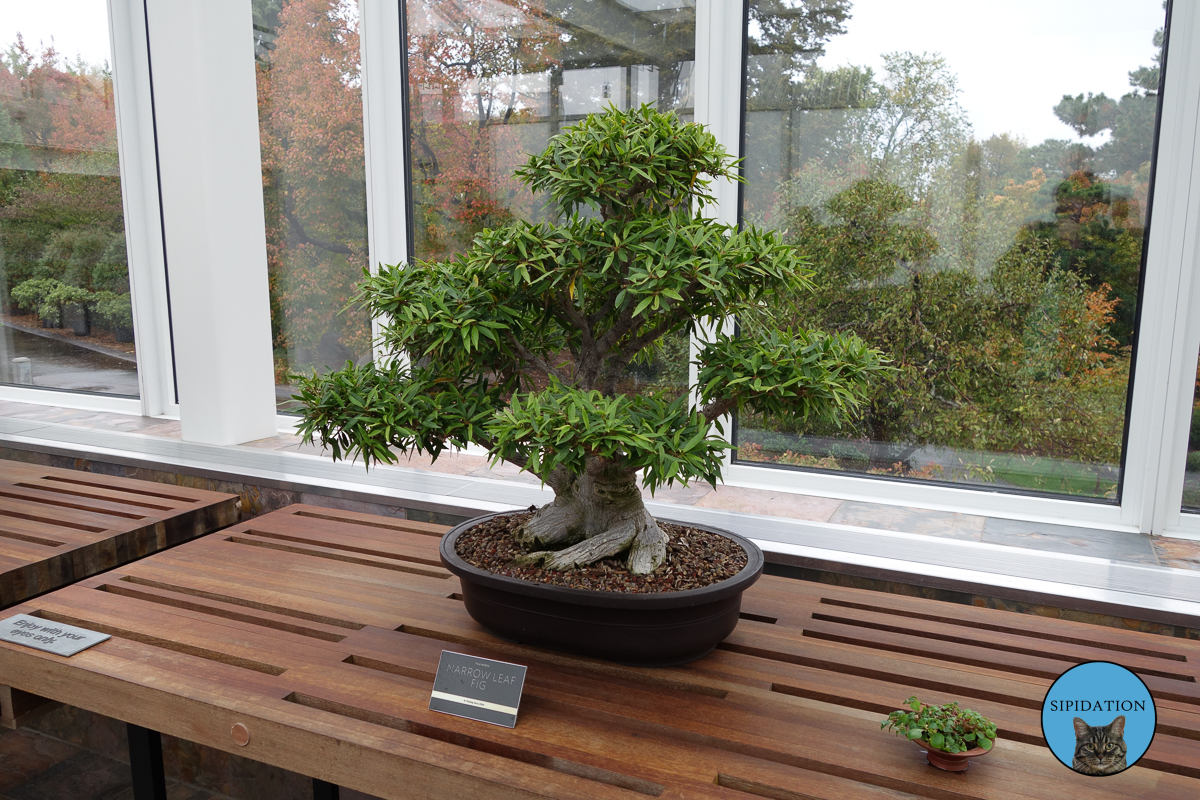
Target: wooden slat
(320, 631)
(58, 526)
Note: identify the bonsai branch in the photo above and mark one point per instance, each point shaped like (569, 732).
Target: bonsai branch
(718, 408)
(578, 321)
(534, 360)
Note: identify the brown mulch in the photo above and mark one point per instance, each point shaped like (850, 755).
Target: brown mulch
(695, 559)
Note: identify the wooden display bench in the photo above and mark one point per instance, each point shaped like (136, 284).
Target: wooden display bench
(308, 639)
(58, 525)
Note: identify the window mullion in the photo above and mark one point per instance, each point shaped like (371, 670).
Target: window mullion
(383, 76)
(210, 179)
(143, 220)
(1164, 385)
(719, 43)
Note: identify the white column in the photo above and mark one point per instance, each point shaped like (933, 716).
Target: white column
(384, 129)
(206, 113)
(719, 43)
(719, 25)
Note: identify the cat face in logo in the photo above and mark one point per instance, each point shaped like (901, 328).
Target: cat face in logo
(1100, 749)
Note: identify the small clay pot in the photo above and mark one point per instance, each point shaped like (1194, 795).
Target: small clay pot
(951, 762)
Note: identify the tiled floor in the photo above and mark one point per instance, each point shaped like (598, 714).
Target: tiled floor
(1116, 546)
(35, 765)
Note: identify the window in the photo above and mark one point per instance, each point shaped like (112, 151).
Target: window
(491, 82)
(64, 274)
(314, 184)
(974, 206)
(974, 193)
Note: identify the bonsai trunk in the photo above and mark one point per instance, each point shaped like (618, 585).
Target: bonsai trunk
(599, 514)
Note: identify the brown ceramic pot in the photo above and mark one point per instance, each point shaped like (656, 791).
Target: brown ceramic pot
(951, 762)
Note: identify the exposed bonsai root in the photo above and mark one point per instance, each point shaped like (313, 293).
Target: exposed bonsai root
(556, 523)
(599, 516)
(646, 542)
(603, 545)
(648, 550)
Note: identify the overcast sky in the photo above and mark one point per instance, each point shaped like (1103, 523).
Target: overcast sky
(79, 27)
(1014, 59)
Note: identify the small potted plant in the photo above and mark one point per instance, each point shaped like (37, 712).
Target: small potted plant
(519, 345)
(950, 735)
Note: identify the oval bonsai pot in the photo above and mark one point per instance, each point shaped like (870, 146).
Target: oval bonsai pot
(951, 762)
(647, 629)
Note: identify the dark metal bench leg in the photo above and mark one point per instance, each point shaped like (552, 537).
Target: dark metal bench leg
(146, 762)
(324, 791)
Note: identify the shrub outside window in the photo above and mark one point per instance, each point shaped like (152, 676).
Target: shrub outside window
(64, 274)
(976, 213)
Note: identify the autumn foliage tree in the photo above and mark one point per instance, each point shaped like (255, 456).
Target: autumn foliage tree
(478, 71)
(314, 189)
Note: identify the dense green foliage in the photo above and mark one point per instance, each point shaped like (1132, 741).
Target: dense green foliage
(62, 237)
(1021, 356)
(946, 727)
(519, 344)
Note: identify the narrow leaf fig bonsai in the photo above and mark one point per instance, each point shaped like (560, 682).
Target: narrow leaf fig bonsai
(518, 344)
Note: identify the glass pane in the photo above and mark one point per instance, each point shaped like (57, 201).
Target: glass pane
(310, 121)
(1191, 475)
(64, 278)
(972, 205)
(490, 82)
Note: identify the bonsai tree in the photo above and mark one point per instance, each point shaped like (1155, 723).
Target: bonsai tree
(518, 344)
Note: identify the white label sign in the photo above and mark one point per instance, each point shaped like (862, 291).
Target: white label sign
(53, 637)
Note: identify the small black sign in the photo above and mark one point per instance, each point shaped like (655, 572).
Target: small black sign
(477, 688)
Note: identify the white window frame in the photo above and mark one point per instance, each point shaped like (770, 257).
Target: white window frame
(214, 230)
(1176, 225)
(384, 125)
(143, 219)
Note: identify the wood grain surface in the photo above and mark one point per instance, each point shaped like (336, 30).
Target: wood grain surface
(308, 639)
(59, 525)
